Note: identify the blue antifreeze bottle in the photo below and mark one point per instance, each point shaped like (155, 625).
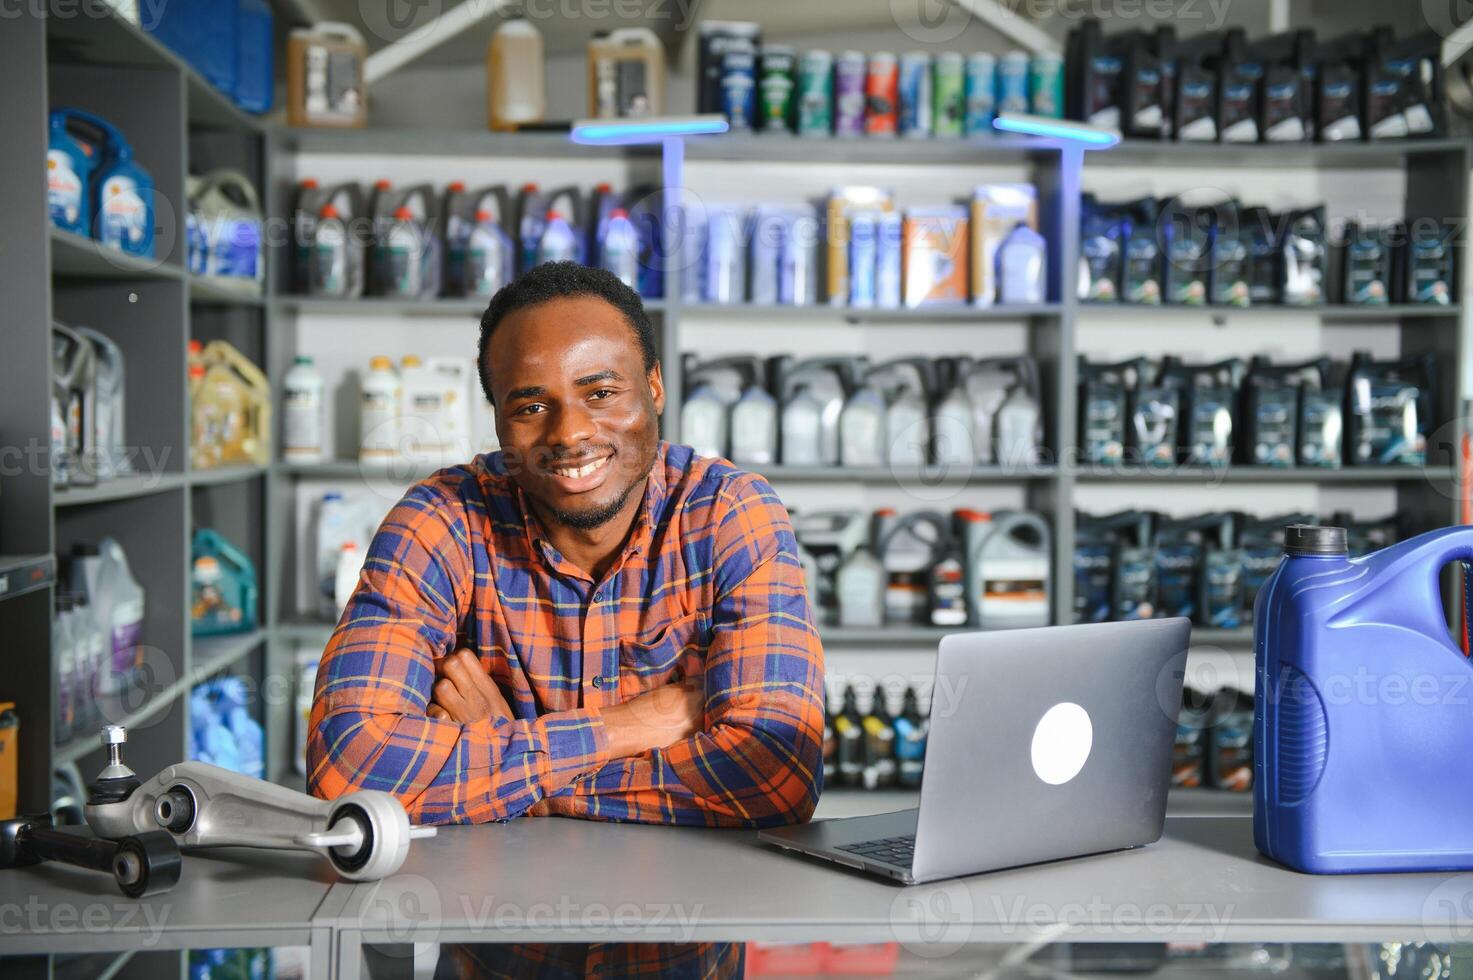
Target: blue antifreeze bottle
(1362, 724)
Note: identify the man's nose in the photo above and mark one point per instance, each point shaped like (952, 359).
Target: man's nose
(571, 426)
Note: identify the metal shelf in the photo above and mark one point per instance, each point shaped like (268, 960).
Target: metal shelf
(929, 476)
(1298, 156)
(20, 574)
(225, 474)
(845, 314)
(1265, 474)
(381, 306)
(779, 148)
(1329, 313)
(123, 488)
(211, 654)
(450, 143)
(76, 257)
(225, 291)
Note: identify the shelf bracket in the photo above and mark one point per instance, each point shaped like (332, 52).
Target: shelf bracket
(428, 36)
(1023, 32)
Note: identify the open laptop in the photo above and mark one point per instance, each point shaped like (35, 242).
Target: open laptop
(1044, 744)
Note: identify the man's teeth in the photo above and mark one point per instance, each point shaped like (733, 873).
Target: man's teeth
(579, 472)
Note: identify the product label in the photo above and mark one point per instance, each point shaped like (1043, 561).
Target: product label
(1430, 273)
(302, 423)
(1366, 272)
(1223, 586)
(1100, 261)
(124, 222)
(1176, 577)
(1320, 423)
(1135, 584)
(1389, 427)
(1092, 583)
(1274, 424)
(1198, 122)
(1143, 270)
(1104, 423)
(63, 191)
(1211, 433)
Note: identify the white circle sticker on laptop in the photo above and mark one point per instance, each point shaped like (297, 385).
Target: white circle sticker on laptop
(1061, 743)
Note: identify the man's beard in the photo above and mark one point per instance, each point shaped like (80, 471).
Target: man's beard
(588, 520)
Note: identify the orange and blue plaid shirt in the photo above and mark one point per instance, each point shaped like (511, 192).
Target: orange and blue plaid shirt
(708, 584)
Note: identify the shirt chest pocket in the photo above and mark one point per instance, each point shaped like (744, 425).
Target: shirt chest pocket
(656, 653)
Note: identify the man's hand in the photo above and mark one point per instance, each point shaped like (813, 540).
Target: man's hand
(656, 719)
(465, 692)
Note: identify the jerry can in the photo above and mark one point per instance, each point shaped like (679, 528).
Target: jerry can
(1362, 723)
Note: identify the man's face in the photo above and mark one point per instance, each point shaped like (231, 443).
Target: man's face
(576, 412)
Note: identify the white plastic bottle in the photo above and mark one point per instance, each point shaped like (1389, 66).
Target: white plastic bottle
(516, 76)
(378, 414)
(302, 424)
(619, 251)
(333, 528)
(345, 580)
(558, 242)
(124, 597)
(489, 257)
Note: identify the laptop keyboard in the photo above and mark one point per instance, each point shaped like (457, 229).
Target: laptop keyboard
(891, 850)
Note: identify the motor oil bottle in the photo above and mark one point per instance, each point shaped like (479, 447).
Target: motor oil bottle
(64, 644)
(911, 729)
(862, 428)
(489, 257)
(1229, 753)
(1187, 233)
(1094, 550)
(74, 397)
(109, 404)
(1261, 544)
(619, 248)
(860, 587)
(1142, 114)
(324, 76)
(559, 243)
(1304, 257)
(1157, 417)
(1364, 262)
(125, 603)
(986, 384)
(1389, 409)
(379, 413)
(1240, 78)
(1428, 276)
(303, 423)
(810, 578)
(1265, 270)
(1195, 111)
(1141, 263)
(1129, 536)
(223, 586)
(830, 537)
(531, 213)
(905, 383)
(1094, 91)
(1101, 252)
(1209, 408)
(1104, 402)
(908, 547)
(1403, 84)
(946, 587)
(1231, 274)
(703, 413)
(879, 738)
(753, 414)
(1339, 109)
(849, 731)
(1270, 412)
(1286, 113)
(230, 410)
(1009, 558)
(626, 74)
(1018, 424)
(122, 208)
(1318, 805)
(69, 166)
(1189, 749)
(953, 429)
(812, 393)
(516, 76)
(229, 211)
(329, 266)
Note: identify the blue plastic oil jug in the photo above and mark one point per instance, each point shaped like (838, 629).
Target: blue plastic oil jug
(121, 191)
(223, 586)
(202, 32)
(255, 33)
(1362, 725)
(69, 164)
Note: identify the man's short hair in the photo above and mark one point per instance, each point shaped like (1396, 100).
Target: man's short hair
(555, 280)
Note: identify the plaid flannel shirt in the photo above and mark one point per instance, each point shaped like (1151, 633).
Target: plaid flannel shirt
(708, 584)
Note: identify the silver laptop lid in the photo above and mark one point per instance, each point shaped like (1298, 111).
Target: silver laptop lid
(1048, 743)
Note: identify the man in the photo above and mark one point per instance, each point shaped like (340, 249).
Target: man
(589, 623)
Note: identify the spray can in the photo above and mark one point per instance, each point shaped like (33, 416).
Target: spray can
(881, 94)
(863, 245)
(1012, 82)
(981, 90)
(915, 95)
(816, 94)
(850, 70)
(1046, 83)
(948, 91)
(777, 102)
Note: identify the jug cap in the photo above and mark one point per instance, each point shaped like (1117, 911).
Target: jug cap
(1314, 539)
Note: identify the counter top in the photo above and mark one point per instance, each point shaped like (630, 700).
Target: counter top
(535, 880)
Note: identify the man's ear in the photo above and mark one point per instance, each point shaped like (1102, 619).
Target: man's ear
(657, 387)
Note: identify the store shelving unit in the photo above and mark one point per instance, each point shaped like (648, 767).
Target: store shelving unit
(177, 123)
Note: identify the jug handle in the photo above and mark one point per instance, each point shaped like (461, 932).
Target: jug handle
(1432, 551)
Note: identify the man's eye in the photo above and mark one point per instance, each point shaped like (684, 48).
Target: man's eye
(533, 409)
(602, 393)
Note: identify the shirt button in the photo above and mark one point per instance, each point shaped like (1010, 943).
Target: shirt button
(598, 596)
(598, 682)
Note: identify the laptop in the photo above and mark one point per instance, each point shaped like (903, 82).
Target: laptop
(1044, 744)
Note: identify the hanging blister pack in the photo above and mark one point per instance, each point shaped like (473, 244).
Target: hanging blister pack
(1389, 409)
